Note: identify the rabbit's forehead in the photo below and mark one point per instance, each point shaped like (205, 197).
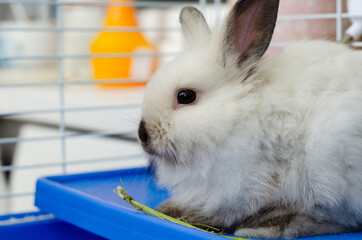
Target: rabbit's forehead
(191, 70)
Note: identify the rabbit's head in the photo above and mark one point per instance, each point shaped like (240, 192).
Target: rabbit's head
(191, 107)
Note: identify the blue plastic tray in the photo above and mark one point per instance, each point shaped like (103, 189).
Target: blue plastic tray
(88, 201)
(41, 229)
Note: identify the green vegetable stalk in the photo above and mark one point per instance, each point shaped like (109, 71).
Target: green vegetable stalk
(138, 206)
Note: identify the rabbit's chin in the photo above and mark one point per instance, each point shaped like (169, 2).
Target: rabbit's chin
(170, 161)
(163, 157)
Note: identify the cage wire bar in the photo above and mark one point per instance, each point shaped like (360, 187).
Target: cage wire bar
(83, 161)
(61, 83)
(339, 20)
(62, 130)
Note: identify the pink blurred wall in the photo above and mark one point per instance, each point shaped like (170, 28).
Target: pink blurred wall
(306, 29)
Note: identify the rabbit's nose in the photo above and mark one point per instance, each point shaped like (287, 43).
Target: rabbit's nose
(142, 133)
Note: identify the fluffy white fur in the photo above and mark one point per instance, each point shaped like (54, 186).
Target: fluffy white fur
(291, 133)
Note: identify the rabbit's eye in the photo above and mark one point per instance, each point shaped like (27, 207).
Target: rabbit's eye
(186, 96)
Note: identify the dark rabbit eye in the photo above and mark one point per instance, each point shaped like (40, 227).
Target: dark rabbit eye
(186, 96)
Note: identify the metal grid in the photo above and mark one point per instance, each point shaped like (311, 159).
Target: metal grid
(61, 84)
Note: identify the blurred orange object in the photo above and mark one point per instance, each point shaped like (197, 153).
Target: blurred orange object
(122, 42)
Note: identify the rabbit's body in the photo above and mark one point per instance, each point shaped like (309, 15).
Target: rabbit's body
(270, 148)
(299, 144)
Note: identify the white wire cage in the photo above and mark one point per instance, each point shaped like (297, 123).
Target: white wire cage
(54, 119)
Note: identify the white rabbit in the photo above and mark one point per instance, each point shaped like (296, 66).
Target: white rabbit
(259, 146)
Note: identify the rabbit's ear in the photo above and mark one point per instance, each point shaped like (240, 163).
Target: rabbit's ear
(193, 24)
(249, 28)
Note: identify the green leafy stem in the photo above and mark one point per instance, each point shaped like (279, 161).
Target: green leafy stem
(138, 206)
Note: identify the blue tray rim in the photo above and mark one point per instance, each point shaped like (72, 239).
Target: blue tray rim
(49, 187)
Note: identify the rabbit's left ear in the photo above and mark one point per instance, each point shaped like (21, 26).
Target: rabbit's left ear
(249, 28)
(193, 24)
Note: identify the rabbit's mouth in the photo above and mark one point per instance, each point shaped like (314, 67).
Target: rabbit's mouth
(168, 154)
(149, 150)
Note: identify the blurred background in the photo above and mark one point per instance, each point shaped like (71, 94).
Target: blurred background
(72, 77)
